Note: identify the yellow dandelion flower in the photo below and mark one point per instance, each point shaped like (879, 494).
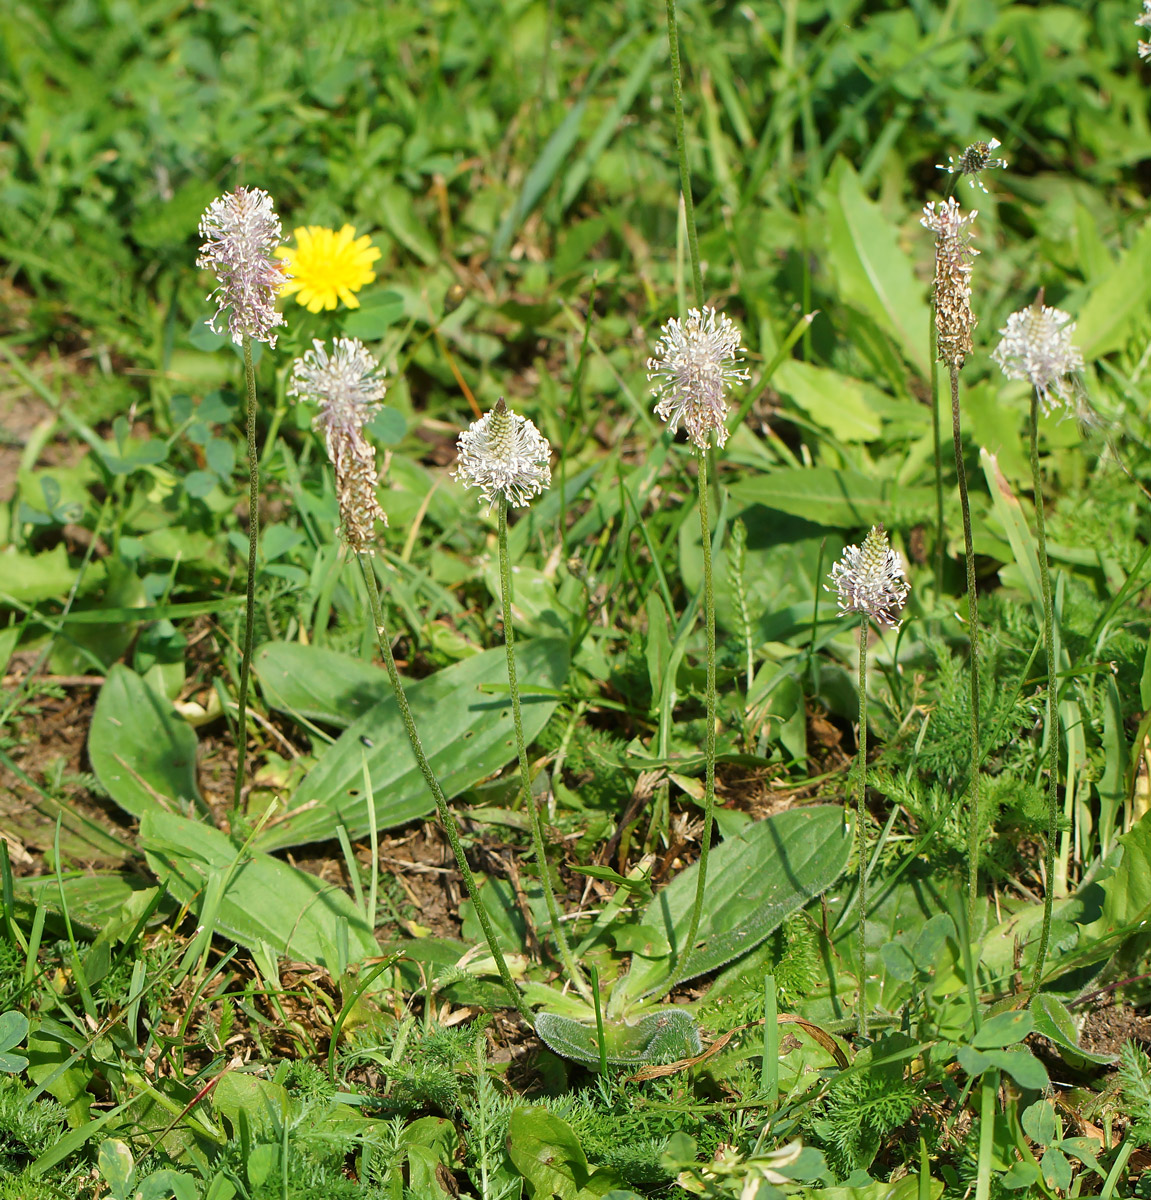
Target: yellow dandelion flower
(327, 267)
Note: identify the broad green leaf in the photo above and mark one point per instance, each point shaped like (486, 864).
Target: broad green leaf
(547, 1154)
(1056, 1169)
(265, 901)
(1038, 1122)
(116, 1165)
(322, 685)
(1117, 302)
(465, 729)
(871, 271)
(140, 750)
(827, 496)
(93, 900)
(1020, 1175)
(221, 1189)
(661, 1036)
(829, 399)
(1055, 1023)
(1017, 1061)
(1004, 1029)
(264, 1103)
(755, 880)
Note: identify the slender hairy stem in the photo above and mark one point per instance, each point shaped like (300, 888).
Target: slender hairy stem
(988, 1086)
(253, 546)
(1052, 702)
(860, 831)
(447, 818)
(940, 549)
(681, 147)
(973, 633)
(709, 738)
(570, 964)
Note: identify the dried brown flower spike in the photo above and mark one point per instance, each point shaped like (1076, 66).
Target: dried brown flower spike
(954, 255)
(347, 387)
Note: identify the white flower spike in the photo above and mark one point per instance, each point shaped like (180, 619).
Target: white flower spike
(240, 232)
(504, 453)
(696, 362)
(1037, 347)
(870, 579)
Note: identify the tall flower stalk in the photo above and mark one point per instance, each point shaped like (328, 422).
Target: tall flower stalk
(1037, 347)
(695, 363)
(240, 233)
(975, 159)
(507, 458)
(348, 388)
(869, 580)
(954, 255)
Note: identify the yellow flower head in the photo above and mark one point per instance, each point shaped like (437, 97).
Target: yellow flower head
(327, 267)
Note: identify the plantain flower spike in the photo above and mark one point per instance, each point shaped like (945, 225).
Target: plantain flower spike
(869, 579)
(240, 232)
(954, 255)
(696, 361)
(504, 453)
(977, 158)
(1144, 22)
(348, 389)
(1037, 347)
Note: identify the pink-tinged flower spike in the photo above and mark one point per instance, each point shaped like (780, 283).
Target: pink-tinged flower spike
(347, 387)
(240, 232)
(1144, 22)
(954, 255)
(870, 580)
(976, 159)
(696, 362)
(504, 453)
(1037, 346)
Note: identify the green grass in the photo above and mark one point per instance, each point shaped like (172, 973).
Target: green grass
(241, 1002)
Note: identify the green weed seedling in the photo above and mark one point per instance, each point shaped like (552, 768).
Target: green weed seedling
(1045, 1159)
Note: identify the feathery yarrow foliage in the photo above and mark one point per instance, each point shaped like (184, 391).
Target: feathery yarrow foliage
(1037, 347)
(327, 266)
(1144, 22)
(977, 158)
(954, 255)
(504, 453)
(241, 232)
(870, 579)
(695, 363)
(348, 389)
